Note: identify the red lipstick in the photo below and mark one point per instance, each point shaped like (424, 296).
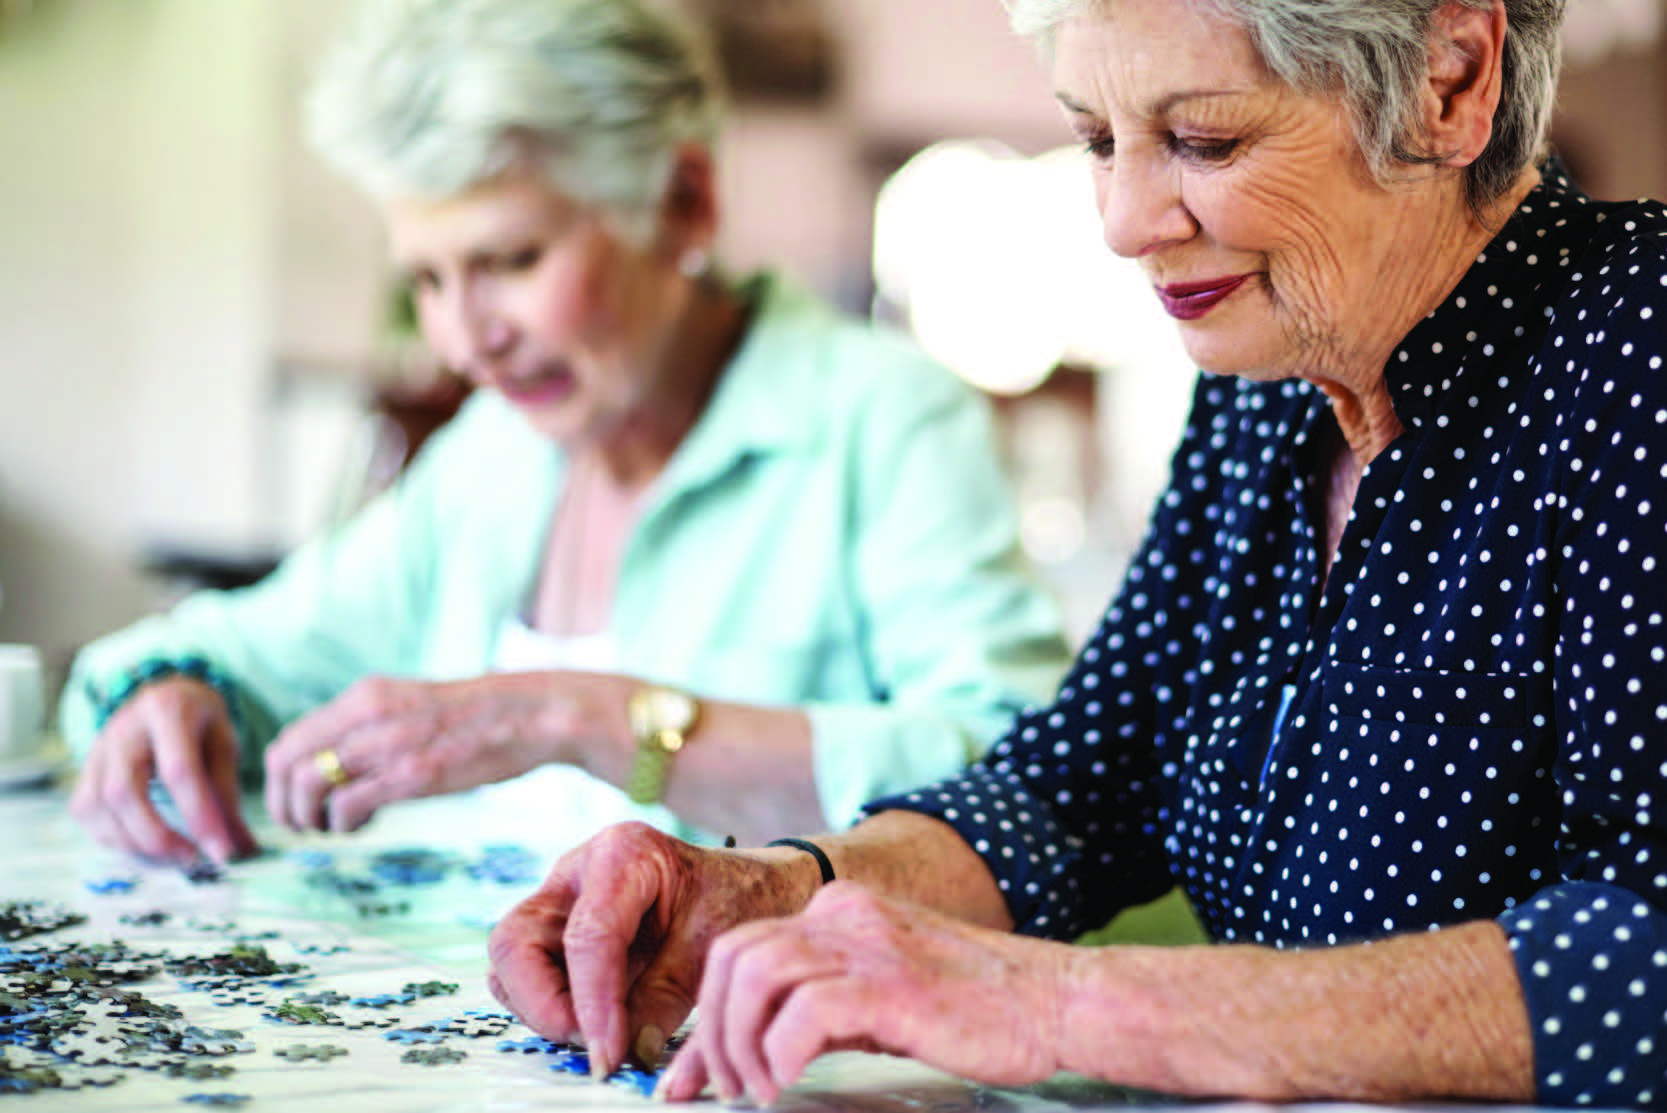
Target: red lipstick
(1188, 301)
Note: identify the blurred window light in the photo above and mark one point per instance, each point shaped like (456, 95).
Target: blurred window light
(1000, 267)
(1052, 530)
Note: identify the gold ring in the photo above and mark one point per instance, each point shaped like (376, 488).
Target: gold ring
(329, 766)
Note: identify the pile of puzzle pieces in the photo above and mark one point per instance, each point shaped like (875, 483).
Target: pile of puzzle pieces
(71, 1017)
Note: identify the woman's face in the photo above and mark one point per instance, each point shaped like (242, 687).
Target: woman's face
(1249, 206)
(532, 294)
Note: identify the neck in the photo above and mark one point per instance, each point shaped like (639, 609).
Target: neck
(690, 361)
(1435, 260)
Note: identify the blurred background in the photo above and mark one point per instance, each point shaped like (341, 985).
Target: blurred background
(202, 361)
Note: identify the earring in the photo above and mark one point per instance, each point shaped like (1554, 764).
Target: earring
(694, 263)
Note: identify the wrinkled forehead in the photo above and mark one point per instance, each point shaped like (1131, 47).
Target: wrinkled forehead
(1131, 56)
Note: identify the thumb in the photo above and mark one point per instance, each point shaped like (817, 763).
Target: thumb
(662, 998)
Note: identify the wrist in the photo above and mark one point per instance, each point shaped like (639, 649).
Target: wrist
(586, 725)
(157, 669)
(798, 873)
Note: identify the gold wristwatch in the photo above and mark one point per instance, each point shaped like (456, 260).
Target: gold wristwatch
(660, 720)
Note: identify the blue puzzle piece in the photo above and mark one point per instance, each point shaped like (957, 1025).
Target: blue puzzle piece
(533, 1044)
(572, 1061)
(643, 1082)
(410, 1035)
(383, 1000)
(217, 1099)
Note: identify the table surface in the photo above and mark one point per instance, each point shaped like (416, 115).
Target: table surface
(434, 932)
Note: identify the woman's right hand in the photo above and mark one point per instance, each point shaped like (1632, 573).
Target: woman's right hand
(177, 730)
(609, 950)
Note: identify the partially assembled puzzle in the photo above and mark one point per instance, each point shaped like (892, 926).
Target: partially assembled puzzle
(129, 985)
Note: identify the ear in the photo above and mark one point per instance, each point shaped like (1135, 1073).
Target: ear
(1466, 53)
(689, 207)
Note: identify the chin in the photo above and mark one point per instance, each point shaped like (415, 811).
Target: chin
(556, 423)
(1229, 353)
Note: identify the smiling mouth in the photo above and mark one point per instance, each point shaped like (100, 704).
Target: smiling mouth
(542, 389)
(1188, 301)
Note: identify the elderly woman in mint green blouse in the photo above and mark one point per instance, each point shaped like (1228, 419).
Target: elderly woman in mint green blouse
(699, 551)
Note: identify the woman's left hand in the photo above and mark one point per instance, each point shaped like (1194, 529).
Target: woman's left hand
(397, 740)
(857, 971)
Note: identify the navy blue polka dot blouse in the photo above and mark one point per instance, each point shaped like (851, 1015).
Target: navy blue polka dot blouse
(1469, 722)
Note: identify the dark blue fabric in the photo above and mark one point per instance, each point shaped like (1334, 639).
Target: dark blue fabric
(1479, 728)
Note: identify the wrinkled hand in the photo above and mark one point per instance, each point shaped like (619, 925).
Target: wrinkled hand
(177, 730)
(858, 972)
(609, 950)
(401, 739)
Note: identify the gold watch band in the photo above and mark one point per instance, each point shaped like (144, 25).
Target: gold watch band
(660, 720)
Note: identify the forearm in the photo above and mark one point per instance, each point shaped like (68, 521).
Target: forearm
(1437, 1015)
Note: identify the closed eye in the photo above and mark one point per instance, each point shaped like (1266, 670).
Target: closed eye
(522, 260)
(1100, 146)
(1203, 150)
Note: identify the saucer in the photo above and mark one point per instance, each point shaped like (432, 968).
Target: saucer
(33, 771)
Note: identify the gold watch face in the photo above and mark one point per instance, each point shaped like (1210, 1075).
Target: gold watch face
(664, 714)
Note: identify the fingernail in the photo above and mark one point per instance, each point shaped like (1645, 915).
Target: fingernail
(650, 1043)
(598, 1067)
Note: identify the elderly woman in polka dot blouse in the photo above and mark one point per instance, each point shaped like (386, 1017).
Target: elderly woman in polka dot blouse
(1380, 689)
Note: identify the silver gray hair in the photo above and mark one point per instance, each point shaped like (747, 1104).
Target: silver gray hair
(427, 98)
(1373, 54)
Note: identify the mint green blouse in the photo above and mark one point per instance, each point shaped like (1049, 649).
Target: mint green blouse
(834, 533)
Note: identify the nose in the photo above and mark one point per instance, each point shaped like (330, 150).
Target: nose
(465, 328)
(1141, 209)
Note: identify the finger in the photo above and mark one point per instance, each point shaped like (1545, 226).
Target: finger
(662, 996)
(227, 792)
(769, 966)
(528, 973)
(827, 1014)
(124, 795)
(619, 889)
(391, 761)
(87, 806)
(685, 1078)
(711, 1032)
(290, 758)
(179, 745)
(307, 791)
(351, 806)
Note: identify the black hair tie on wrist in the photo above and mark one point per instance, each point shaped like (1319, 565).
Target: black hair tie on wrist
(813, 850)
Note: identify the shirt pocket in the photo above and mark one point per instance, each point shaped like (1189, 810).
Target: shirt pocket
(1434, 778)
(1412, 698)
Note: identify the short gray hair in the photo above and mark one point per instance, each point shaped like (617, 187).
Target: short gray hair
(1373, 54)
(430, 97)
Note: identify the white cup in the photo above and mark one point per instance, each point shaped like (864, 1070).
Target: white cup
(22, 703)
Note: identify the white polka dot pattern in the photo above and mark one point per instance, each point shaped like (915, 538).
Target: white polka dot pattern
(1476, 690)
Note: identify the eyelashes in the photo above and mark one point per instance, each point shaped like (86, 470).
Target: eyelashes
(1203, 151)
